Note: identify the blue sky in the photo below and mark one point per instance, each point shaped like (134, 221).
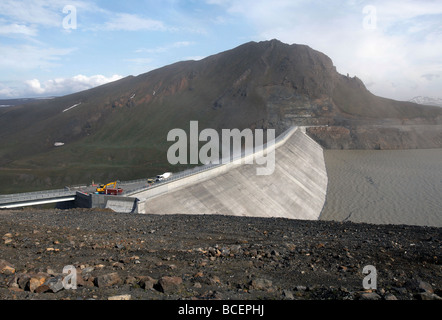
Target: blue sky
(394, 46)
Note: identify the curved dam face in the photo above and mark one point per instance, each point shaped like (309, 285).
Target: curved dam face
(296, 189)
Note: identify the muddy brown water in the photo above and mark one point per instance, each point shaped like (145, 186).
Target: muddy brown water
(384, 187)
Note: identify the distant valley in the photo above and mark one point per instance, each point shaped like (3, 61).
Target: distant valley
(4, 103)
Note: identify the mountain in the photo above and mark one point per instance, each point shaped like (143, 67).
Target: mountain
(427, 101)
(119, 130)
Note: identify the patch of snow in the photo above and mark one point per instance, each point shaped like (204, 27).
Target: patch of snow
(75, 105)
(58, 144)
(427, 101)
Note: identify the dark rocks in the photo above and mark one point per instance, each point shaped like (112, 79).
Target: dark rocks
(169, 284)
(108, 280)
(213, 257)
(35, 282)
(28, 282)
(287, 294)
(425, 286)
(6, 267)
(54, 284)
(261, 284)
(43, 289)
(426, 296)
(120, 297)
(147, 282)
(390, 297)
(426, 292)
(132, 281)
(370, 296)
(300, 288)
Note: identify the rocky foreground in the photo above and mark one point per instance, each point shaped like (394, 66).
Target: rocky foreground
(138, 257)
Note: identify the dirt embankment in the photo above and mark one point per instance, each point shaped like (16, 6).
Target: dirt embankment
(123, 256)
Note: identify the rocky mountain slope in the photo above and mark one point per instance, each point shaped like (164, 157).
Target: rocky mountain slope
(119, 130)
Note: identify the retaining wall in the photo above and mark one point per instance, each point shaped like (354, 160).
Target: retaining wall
(116, 203)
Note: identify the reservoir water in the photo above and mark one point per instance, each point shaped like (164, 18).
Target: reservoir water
(384, 187)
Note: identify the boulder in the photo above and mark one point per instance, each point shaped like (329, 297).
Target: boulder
(370, 296)
(425, 287)
(54, 284)
(261, 284)
(147, 282)
(169, 284)
(428, 296)
(121, 297)
(108, 280)
(6, 267)
(35, 282)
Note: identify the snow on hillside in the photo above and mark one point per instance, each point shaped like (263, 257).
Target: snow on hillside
(75, 105)
(429, 101)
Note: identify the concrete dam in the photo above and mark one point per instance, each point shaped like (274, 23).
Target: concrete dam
(296, 189)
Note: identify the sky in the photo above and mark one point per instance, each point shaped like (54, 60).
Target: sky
(56, 47)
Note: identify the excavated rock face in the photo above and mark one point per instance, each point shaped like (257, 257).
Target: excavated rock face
(283, 84)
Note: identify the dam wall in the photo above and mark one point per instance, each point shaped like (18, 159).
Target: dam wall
(296, 189)
(102, 201)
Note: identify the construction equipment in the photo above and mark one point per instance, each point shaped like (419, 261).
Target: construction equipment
(102, 188)
(114, 192)
(110, 188)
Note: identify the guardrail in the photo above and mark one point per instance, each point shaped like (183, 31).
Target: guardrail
(30, 196)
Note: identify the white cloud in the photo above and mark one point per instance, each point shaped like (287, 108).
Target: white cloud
(166, 48)
(28, 17)
(14, 29)
(132, 22)
(35, 12)
(394, 10)
(34, 86)
(46, 13)
(195, 58)
(25, 57)
(63, 86)
(6, 91)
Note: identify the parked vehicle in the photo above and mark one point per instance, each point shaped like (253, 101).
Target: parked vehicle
(163, 176)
